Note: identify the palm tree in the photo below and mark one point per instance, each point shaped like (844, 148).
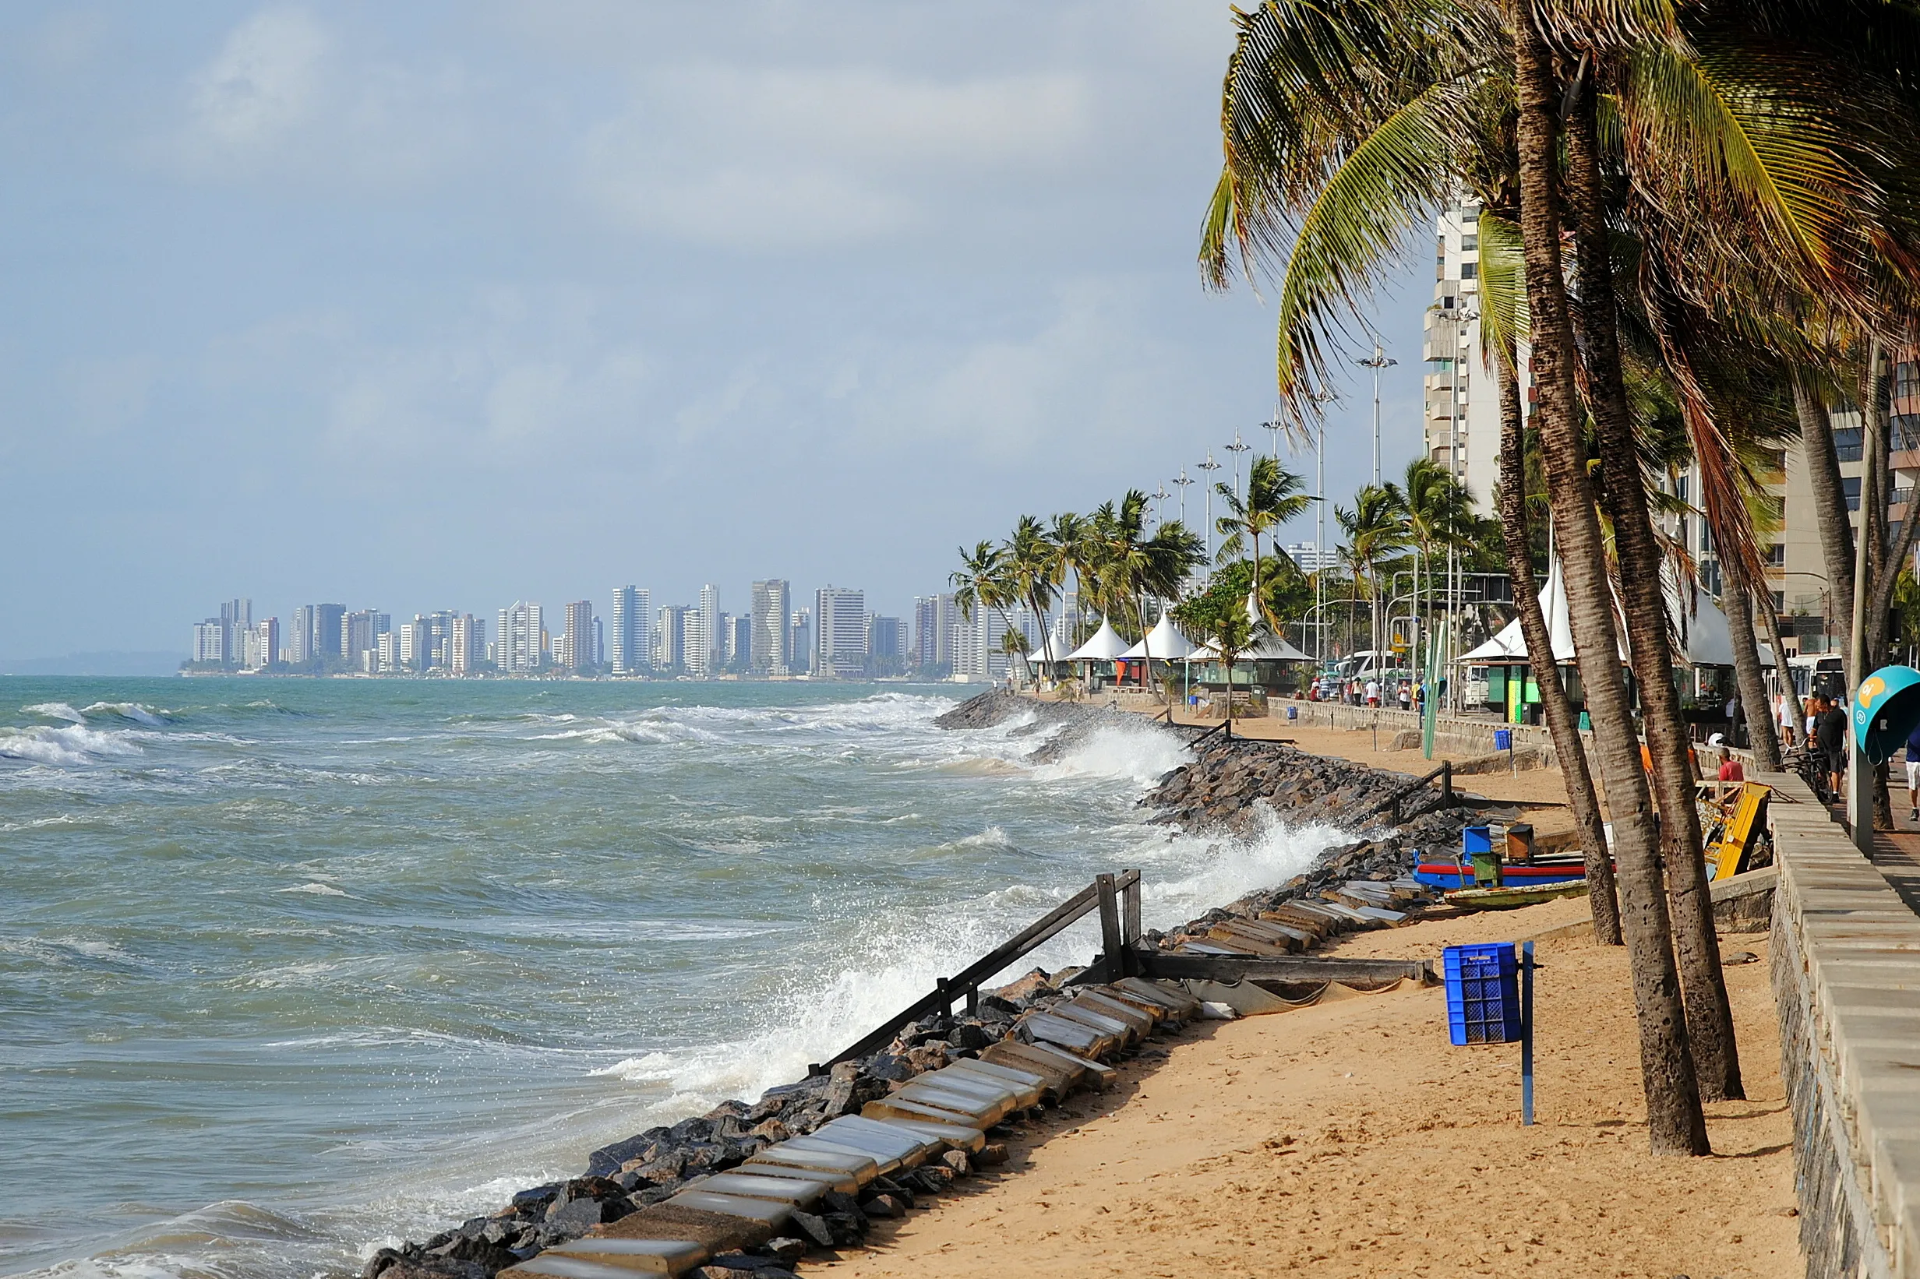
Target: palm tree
(981, 580)
(1274, 496)
(1373, 531)
(1032, 570)
(1436, 511)
(1675, 1121)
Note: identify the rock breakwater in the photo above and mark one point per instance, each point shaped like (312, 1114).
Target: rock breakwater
(1227, 789)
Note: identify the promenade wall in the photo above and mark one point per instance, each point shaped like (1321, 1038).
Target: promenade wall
(1846, 978)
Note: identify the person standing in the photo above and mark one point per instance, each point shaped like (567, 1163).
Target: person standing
(1913, 774)
(1830, 731)
(1784, 714)
(1373, 692)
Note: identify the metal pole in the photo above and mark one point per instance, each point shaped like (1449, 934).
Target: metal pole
(1378, 362)
(1209, 466)
(1236, 448)
(1526, 1034)
(1320, 548)
(1872, 489)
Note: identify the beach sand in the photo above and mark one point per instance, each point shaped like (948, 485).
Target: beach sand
(1350, 1138)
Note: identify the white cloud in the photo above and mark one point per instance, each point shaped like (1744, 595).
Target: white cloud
(286, 98)
(765, 160)
(264, 81)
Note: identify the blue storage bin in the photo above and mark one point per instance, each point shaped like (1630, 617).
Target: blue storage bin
(1503, 739)
(1476, 839)
(1483, 993)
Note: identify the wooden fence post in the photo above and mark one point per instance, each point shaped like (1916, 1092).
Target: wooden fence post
(1130, 927)
(1114, 961)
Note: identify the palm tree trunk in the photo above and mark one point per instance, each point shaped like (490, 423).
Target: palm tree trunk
(1674, 1120)
(1572, 754)
(1829, 500)
(1873, 525)
(1738, 599)
(1643, 594)
(1781, 674)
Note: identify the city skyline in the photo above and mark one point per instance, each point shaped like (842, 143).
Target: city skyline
(380, 304)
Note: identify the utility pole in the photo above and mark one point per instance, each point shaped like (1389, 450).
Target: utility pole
(1209, 466)
(1378, 362)
(1237, 448)
(1159, 495)
(1182, 482)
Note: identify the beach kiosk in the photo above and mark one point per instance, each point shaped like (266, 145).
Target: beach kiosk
(1511, 687)
(1164, 643)
(1104, 645)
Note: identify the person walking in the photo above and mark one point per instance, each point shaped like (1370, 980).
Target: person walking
(1373, 692)
(1783, 712)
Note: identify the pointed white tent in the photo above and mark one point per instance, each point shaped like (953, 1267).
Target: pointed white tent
(1698, 623)
(1163, 643)
(1265, 646)
(1510, 645)
(1104, 646)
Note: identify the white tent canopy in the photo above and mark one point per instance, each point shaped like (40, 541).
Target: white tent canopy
(1104, 646)
(1700, 623)
(1164, 641)
(1510, 645)
(1264, 646)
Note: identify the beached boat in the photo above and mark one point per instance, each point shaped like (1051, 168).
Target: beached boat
(1513, 896)
(1532, 874)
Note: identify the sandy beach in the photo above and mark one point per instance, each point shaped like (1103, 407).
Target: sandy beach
(1352, 1138)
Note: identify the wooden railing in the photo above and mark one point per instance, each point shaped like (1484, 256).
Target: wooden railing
(1116, 897)
(1392, 803)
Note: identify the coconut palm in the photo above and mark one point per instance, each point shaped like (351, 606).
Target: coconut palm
(1373, 531)
(981, 581)
(1274, 496)
(1033, 573)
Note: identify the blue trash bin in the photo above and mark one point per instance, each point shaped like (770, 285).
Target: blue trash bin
(1293, 712)
(1483, 993)
(1476, 839)
(1503, 739)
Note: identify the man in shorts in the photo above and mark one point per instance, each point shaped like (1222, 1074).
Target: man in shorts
(1830, 731)
(1786, 717)
(1913, 774)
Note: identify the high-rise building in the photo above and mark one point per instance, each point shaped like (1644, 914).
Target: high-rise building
(359, 634)
(886, 645)
(576, 646)
(269, 632)
(236, 615)
(705, 654)
(323, 634)
(210, 641)
(299, 643)
(800, 641)
(466, 644)
(840, 631)
(670, 637)
(630, 644)
(521, 639)
(739, 632)
(387, 650)
(1462, 416)
(934, 619)
(770, 652)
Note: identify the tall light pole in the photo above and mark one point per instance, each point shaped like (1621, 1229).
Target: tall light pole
(1159, 495)
(1237, 448)
(1183, 481)
(1274, 428)
(1209, 466)
(1378, 362)
(1464, 318)
(1320, 535)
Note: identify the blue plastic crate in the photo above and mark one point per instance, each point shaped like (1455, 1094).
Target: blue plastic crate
(1476, 839)
(1503, 739)
(1483, 993)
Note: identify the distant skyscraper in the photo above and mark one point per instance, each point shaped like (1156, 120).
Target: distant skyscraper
(576, 653)
(237, 616)
(702, 654)
(770, 652)
(670, 637)
(323, 634)
(210, 641)
(387, 649)
(840, 631)
(520, 641)
(739, 641)
(934, 620)
(269, 630)
(886, 645)
(800, 641)
(466, 644)
(359, 633)
(632, 635)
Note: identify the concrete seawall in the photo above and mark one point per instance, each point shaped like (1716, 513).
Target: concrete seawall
(1846, 978)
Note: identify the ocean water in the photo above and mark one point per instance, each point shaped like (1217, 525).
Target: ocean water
(290, 969)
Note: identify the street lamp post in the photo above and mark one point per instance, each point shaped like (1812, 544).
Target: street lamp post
(1236, 448)
(1378, 362)
(1182, 482)
(1209, 466)
(1159, 495)
(1273, 428)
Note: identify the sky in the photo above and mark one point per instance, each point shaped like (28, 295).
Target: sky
(444, 305)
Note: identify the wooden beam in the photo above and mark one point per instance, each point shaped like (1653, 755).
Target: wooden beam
(1281, 968)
